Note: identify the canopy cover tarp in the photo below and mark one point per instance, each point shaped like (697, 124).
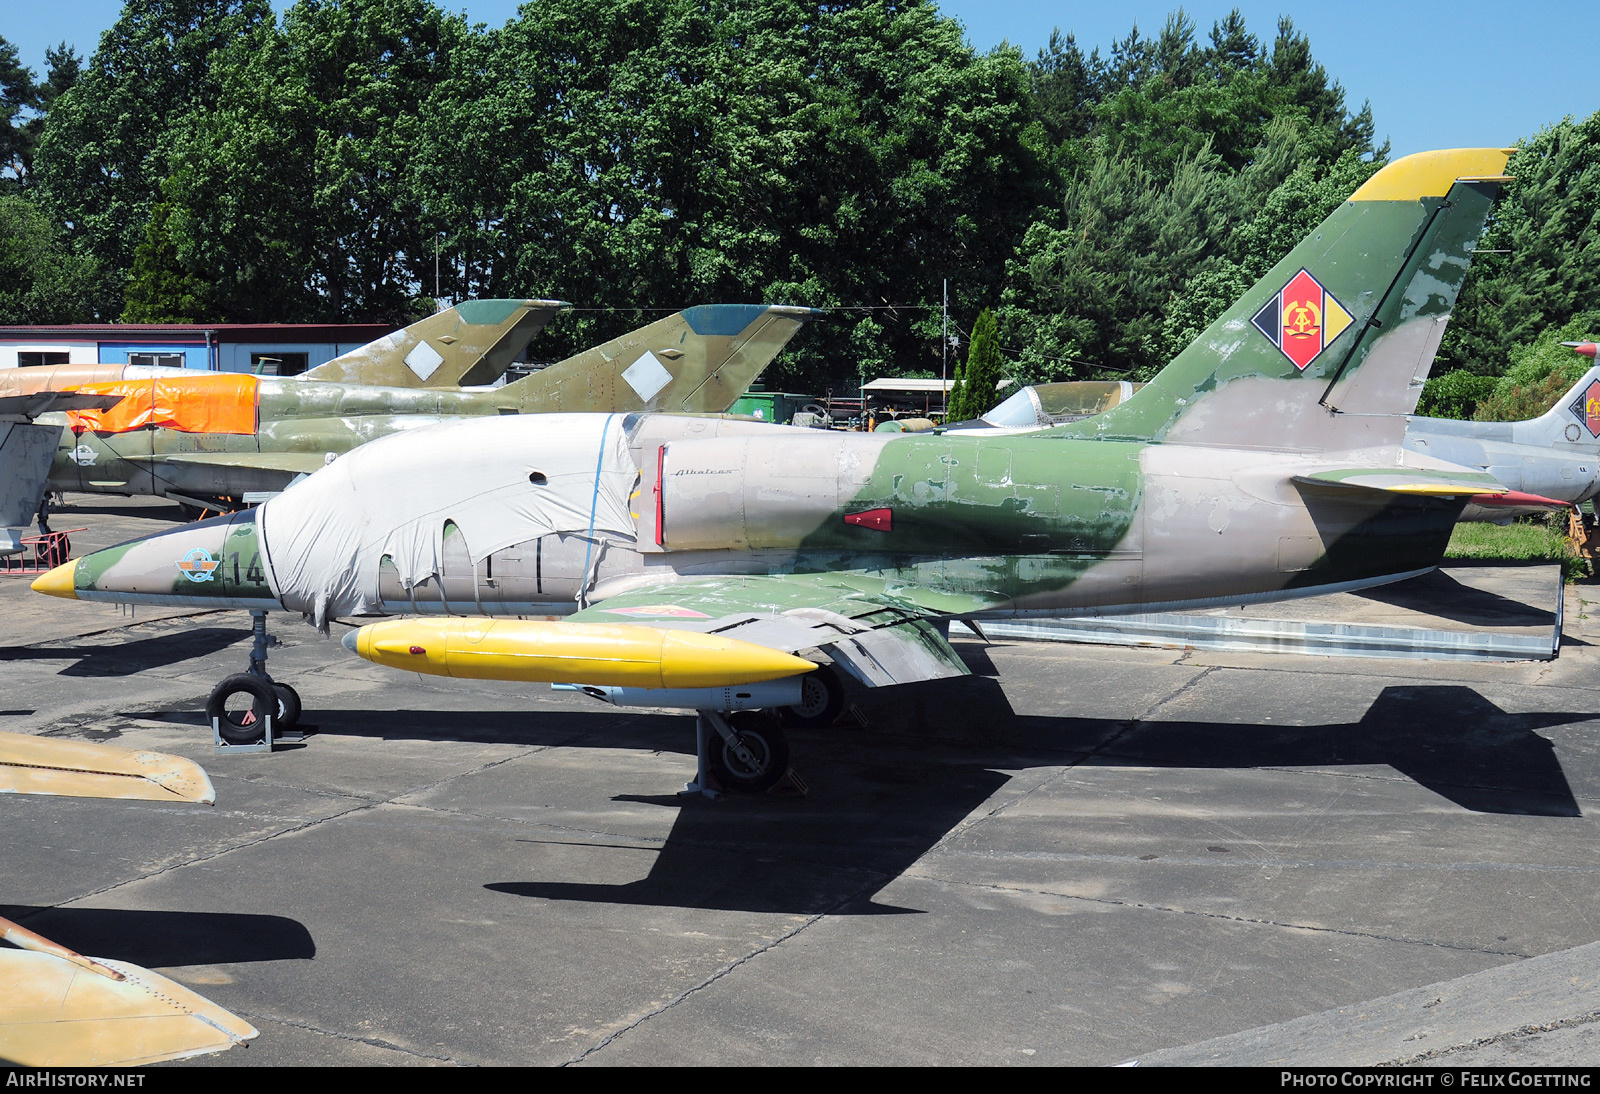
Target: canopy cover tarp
(531, 475)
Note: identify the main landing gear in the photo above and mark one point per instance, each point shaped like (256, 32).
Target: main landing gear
(250, 709)
(747, 751)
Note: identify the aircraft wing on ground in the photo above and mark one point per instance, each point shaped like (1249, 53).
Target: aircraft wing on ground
(62, 1009)
(877, 636)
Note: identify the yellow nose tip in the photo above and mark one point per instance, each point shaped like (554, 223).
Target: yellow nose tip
(57, 582)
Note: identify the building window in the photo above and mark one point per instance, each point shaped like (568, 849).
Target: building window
(160, 360)
(278, 364)
(28, 357)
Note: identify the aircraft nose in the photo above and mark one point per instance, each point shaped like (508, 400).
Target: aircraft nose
(351, 640)
(58, 582)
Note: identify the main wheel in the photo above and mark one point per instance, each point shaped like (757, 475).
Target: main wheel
(768, 749)
(821, 700)
(288, 706)
(240, 705)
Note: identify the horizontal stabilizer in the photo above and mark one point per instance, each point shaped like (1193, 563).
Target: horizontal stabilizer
(1517, 499)
(1405, 480)
(77, 769)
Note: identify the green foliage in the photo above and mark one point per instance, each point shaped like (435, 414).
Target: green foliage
(1538, 264)
(1454, 395)
(658, 153)
(161, 290)
(1541, 371)
(41, 281)
(317, 121)
(106, 142)
(17, 95)
(1530, 539)
(976, 391)
(635, 156)
(1191, 170)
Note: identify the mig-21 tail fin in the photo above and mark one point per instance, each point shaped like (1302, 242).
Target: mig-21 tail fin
(471, 343)
(1329, 350)
(1574, 417)
(697, 361)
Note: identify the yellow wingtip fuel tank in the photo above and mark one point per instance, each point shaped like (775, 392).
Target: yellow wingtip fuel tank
(58, 582)
(622, 655)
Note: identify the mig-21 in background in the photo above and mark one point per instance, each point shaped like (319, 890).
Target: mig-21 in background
(735, 568)
(208, 440)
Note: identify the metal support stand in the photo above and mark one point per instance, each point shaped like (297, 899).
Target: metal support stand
(258, 668)
(702, 744)
(221, 747)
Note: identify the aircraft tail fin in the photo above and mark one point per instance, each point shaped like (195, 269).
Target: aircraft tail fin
(471, 343)
(1329, 350)
(1575, 416)
(697, 361)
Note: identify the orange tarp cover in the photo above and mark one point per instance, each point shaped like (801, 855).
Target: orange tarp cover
(208, 403)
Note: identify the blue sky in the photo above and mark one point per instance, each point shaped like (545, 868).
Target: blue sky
(1439, 75)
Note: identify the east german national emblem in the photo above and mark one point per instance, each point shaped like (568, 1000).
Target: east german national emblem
(1586, 408)
(1303, 319)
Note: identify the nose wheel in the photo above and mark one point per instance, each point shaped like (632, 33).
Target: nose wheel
(251, 709)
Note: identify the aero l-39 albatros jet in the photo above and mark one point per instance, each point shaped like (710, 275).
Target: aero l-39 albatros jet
(720, 565)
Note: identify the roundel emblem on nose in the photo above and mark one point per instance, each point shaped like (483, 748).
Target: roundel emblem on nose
(198, 565)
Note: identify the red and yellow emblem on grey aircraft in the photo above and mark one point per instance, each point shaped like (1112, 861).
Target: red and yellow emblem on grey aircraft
(1303, 319)
(1586, 408)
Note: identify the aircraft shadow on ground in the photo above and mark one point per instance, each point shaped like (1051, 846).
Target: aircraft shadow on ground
(1438, 593)
(127, 658)
(883, 796)
(158, 940)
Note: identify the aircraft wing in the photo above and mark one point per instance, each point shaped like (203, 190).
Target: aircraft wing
(878, 637)
(293, 463)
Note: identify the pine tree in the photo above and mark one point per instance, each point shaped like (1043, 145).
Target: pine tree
(984, 369)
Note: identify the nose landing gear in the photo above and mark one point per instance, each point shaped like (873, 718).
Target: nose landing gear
(250, 710)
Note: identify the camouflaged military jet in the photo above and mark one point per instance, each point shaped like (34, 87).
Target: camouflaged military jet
(724, 566)
(471, 343)
(214, 440)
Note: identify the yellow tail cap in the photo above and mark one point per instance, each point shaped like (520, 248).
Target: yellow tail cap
(1431, 174)
(58, 582)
